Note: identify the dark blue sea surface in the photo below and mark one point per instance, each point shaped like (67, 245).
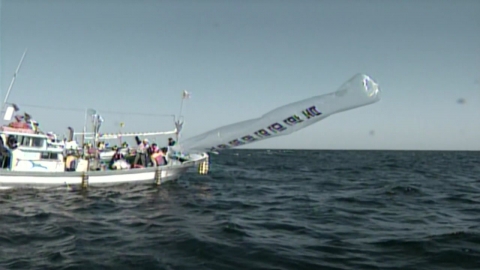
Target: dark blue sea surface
(261, 209)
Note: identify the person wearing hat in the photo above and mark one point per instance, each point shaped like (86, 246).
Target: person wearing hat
(141, 152)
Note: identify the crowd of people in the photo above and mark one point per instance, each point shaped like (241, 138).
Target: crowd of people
(146, 155)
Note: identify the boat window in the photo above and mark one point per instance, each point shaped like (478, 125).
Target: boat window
(23, 141)
(19, 140)
(29, 141)
(49, 155)
(37, 142)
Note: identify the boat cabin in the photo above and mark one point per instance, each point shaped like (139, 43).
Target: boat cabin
(32, 151)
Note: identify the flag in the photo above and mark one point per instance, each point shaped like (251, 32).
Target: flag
(9, 113)
(122, 124)
(185, 94)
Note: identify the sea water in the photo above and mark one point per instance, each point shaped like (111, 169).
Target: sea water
(259, 209)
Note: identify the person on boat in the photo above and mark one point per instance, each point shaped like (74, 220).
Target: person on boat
(4, 154)
(70, 161)
(19, 118)
(33, 124)
(12, 142)
(155, 155)
(92, 151)
(164, 151)
(2, 146)
(101, 145)
(141, 152)
(171, 142)
(118, 161)
(118, 155)
(15, 153)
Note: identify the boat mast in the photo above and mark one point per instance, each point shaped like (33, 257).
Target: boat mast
(84, 128)
(13, 80)
(181, 104)
(179, 121)
(95, 135)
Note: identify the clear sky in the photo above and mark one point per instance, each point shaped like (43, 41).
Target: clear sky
(240, 59)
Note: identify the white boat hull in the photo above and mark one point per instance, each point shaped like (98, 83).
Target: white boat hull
(153, 175)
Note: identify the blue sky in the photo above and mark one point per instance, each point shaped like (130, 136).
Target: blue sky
(240, 59)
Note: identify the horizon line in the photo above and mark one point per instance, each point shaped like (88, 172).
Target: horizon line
(324, 149)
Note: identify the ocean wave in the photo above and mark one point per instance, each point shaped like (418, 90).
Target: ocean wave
(260, 210)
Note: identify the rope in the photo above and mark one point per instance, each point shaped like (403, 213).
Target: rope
(102, 112)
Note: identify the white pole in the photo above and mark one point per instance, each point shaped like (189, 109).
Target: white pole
(84, 128)
(13, 79)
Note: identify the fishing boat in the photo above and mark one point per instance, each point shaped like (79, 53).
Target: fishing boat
(30, 158)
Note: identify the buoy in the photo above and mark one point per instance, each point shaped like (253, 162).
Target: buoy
(158, 177)
(204, 167)
(84, 180)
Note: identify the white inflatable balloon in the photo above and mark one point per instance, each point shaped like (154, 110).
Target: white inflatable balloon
(359, 91)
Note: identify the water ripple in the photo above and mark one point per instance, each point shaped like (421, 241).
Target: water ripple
(261, 210)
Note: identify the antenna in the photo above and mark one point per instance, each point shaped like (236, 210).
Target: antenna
(13, 79)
